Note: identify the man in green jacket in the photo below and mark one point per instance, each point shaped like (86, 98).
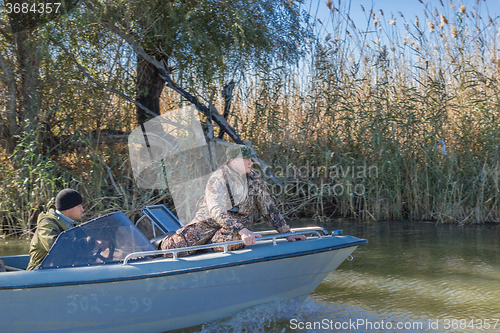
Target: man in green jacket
(68, 210)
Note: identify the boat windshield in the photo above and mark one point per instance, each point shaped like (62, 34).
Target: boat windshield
(107, 239)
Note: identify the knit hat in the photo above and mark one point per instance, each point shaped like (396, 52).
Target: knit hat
(242, 151)
(67, 199)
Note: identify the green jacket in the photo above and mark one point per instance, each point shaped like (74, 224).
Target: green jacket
(49, 226)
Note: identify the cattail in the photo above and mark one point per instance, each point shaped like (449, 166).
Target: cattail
(441, 2)
(329, 4)
(392, 22)
(443, 19)
(431, 26)
(381, 12)
(405, 40)
(462, 9)
(362, 8)
(416, 21)
(375, 22)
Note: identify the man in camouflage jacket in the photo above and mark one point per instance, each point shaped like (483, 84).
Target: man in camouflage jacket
(235, 197)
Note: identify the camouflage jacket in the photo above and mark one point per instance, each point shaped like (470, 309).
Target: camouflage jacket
(250, 196)
(49, 226)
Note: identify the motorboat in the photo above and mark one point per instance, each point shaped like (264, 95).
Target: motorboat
(107, 275)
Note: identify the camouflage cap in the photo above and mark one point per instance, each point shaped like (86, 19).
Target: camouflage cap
(239, 151)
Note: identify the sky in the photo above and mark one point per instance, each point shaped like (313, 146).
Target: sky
(391, 9)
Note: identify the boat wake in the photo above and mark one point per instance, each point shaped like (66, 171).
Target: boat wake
(271, 317)
(285, 316)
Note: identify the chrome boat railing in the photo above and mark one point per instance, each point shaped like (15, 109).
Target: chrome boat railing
(270, 232)
(225, 244)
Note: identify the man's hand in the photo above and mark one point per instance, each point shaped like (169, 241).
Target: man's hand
(248, 237)
(296, 238)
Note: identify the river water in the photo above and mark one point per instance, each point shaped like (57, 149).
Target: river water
(410, 277)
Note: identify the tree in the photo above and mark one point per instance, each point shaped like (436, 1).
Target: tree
(204, 41)
(21, 51)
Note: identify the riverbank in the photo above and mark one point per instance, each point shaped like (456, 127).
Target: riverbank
(454, 188)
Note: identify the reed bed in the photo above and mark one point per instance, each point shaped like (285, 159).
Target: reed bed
(415, 102)
(395, 120)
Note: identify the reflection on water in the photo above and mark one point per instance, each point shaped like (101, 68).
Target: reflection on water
(421, 269)
(415, 275)
(409, 273)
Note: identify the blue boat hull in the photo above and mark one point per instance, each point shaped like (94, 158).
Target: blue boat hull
(161, 295)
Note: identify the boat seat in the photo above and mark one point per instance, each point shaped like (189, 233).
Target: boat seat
(162, 217)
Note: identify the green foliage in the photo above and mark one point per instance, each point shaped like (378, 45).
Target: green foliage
(28, 184)
(210, 40)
